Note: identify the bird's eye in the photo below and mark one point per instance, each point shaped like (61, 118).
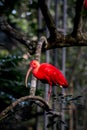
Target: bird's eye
(34, 64)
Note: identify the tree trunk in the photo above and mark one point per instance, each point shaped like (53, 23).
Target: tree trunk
(85, 110)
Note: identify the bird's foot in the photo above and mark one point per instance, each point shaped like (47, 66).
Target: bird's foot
(49, 93)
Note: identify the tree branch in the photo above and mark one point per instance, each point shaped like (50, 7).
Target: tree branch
(22, 38)
(41, 41)
(4, 26)
(35, 98)
(48, 19)
(77, 19)
(57, 42)
(68, 41)
(40, 101)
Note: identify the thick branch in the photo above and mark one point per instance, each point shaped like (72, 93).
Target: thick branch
(13, 33)
(77, 19)
(37, 57)
(57, 42)
(48, 19)
(68, 41)
(38, 100)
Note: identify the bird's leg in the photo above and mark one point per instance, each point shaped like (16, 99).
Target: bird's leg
(49, 93)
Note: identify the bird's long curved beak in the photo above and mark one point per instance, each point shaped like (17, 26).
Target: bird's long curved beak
(27, 75)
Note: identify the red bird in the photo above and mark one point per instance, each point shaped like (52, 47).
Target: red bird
(85, 4)
(47, 73)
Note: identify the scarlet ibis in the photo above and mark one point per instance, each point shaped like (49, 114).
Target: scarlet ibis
(85, 4)
(47, 73)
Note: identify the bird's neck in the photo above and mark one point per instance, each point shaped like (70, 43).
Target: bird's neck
(35, 71)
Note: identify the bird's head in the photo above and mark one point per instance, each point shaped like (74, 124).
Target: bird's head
(34, 65)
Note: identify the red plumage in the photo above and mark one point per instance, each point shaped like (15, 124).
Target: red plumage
(85, 4)
(51, 75)
(47, 73)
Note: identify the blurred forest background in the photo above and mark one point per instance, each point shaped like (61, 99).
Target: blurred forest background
(25, 16)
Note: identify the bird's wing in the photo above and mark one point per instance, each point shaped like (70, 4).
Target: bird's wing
(48, 71)
(45, 71)
(48, 68)
(54, 74)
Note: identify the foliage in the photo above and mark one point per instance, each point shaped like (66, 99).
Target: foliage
(25, 17)
(12, 73)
